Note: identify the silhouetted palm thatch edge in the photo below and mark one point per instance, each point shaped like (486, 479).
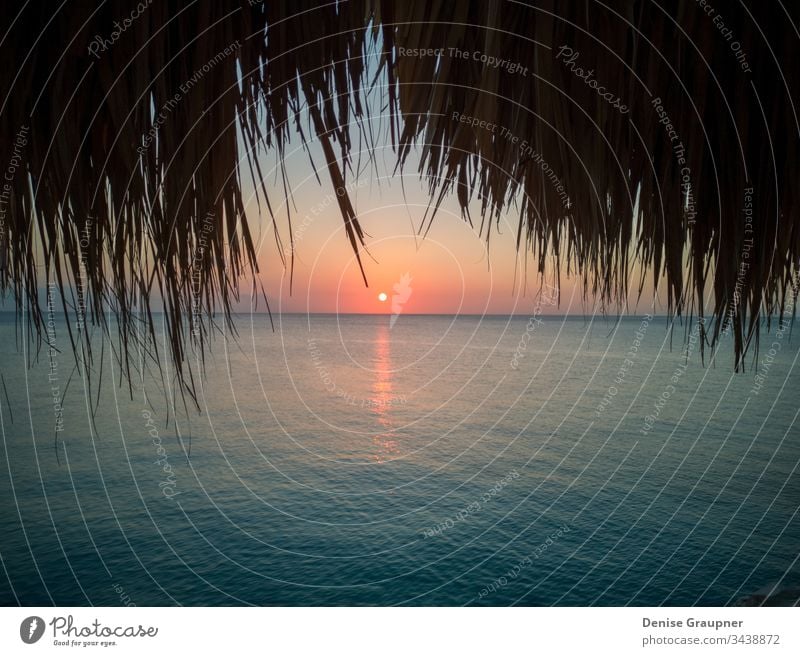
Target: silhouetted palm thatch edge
(127, 146)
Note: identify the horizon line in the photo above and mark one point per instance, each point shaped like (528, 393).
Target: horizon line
(419, 314)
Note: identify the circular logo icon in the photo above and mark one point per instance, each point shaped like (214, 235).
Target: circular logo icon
(31, 629)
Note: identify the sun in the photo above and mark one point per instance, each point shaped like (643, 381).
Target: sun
(382, 297)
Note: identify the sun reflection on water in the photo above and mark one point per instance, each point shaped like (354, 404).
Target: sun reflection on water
(382, 397)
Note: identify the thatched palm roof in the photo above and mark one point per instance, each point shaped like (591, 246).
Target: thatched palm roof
(141, 120)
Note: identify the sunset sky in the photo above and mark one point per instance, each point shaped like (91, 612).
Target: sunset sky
(451, 269)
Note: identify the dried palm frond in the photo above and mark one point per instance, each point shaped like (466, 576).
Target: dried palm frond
(128, 124)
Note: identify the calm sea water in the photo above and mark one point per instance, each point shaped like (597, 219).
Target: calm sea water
(443, 460)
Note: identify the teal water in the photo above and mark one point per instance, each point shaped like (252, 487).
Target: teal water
(484, 461)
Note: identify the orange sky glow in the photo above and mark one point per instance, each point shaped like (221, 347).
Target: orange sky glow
(450, 268)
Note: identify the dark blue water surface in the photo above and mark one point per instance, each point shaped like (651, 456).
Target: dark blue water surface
(440, 461)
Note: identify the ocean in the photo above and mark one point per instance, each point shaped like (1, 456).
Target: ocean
(441, 460)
